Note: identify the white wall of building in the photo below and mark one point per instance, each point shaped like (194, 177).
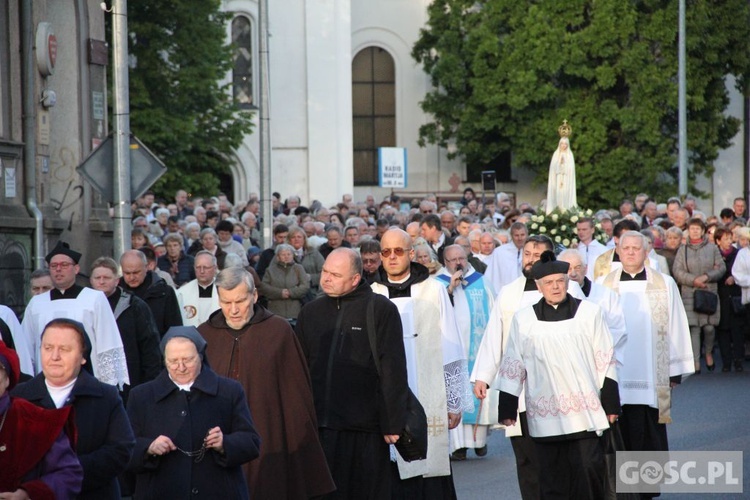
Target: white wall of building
(312, 44)
(726, 183)
(310, 108)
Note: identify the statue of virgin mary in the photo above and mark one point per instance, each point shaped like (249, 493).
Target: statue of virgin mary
(561, 186)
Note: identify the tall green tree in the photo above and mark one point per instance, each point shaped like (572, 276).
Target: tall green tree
(507, 72)
(178, 107)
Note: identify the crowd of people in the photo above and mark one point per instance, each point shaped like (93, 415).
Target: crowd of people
(201, 363)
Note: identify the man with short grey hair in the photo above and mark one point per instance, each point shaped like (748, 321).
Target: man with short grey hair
(517, 294)
(292, 203)
(198, 298)
(598, 294)
(658, 353)
(259, 349)
(336, 239)
(560, 349)
(352, 235)
(448, 221)
(475, 262)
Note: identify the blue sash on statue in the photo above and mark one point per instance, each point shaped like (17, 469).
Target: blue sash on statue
(479, 313)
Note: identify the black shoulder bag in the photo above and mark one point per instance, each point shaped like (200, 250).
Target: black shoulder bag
(412, 442)
(704, 301)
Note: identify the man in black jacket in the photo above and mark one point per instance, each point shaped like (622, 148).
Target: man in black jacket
(431, 229)
(149, 287)
(140, 337)
(359, 413)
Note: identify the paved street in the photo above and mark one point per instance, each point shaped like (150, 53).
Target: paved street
(710, 411)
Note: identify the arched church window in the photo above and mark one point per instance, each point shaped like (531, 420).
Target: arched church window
(373, 110)
(242, 72)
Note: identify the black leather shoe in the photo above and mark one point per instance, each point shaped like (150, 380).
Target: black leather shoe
(481, 451)
(459, 455)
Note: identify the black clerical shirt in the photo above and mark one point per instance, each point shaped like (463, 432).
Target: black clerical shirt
(70, 293)
(626, 276)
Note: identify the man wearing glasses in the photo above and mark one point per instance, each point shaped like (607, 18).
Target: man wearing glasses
(436, 363)
(370, 252)
(85, 305)
(198, 298)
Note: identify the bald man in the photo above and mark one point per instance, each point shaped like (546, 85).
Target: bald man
(436, 360)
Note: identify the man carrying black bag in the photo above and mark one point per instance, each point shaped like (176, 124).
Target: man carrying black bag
(361, 408)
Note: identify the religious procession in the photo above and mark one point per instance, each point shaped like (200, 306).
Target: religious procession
(372, 346)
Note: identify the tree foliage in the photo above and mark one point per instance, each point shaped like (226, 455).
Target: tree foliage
(506, 73)
(179, 108)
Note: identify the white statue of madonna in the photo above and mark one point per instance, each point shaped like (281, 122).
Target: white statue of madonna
(561, 186)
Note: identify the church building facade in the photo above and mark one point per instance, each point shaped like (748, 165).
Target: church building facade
(343, 83)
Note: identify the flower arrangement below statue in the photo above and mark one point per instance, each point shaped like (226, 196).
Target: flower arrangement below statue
(560, 226)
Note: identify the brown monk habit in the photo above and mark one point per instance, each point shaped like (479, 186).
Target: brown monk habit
(266, 358)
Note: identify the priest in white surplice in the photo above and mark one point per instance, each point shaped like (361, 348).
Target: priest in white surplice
(17, 340)
(610, 260)
(505, 263)
(600, 295)
(472, 302)
(560, 359)
(658, 351)
(85, 305)
(520, 293)
(436, 361)
(198, 298)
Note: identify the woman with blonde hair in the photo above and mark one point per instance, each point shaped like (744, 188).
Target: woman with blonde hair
(309, 257)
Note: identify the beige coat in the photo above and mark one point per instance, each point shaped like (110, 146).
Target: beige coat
(280, 276)
(703, 258)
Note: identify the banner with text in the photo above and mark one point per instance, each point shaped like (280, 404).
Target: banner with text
(392, 167)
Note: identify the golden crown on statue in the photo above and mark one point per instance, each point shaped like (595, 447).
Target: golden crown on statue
(565, 129)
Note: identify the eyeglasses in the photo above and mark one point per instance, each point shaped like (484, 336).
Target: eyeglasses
(61, 265)
(370, 261)
(458, 259)
(188, 362)
(201, 269)
(386, 252)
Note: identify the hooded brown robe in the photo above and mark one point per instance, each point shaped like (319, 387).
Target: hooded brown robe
(266, 358)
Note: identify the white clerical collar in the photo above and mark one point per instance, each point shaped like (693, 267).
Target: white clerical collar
(399, 281)
(60, 395)
(182, 387)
